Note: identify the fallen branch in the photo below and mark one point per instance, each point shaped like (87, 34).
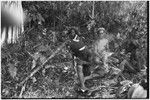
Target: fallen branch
(22, 90)
(38, 68)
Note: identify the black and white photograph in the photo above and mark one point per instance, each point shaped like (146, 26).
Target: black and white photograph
(74, 49)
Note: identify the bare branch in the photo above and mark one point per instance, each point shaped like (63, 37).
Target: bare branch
(38, 68)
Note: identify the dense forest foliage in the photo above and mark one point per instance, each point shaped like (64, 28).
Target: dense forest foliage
(39, 65)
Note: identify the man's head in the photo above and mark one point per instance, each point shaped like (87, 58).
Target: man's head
(101, 30)
(144, 83)
(72, 33)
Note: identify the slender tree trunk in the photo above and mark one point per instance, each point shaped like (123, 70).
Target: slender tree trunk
(93, 8)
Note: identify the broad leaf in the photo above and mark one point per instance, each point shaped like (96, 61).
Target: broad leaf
(12, 70)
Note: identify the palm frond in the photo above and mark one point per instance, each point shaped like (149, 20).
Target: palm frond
(13, 12)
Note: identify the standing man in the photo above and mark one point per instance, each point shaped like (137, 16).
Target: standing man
(81, 53)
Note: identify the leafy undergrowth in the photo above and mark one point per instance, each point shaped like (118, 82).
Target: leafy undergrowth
(58, 78)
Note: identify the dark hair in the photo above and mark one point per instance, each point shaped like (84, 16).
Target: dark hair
(144, 83)
(76, 31)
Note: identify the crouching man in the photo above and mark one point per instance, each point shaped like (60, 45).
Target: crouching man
(83, 56)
